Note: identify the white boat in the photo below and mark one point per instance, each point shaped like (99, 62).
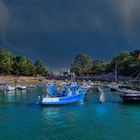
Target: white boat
(19, 87)
(2, 87)
(129, 91)
(31, 86)
(113, 86)
(86, 86)
(129, 95)
(8, 88)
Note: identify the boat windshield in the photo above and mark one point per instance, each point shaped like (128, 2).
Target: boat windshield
(72, 90)
(61, 89)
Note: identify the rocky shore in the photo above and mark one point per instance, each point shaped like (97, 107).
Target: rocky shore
(21, 80)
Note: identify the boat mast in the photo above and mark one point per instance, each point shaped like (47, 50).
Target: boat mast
(72, 77)
(116, 72)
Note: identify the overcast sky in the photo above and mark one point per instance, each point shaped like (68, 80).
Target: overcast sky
(57, 30)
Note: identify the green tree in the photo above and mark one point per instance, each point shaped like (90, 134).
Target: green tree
(29, 68)
(127, 62)
(40, 68)
(19, 65)
(23, 66)
(98, 66)
(119, 60)
(82, 63)
(6, 62)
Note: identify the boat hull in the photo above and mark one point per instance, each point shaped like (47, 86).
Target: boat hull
(63, 100)
(113, 89)
(127, 98)
(129, 95)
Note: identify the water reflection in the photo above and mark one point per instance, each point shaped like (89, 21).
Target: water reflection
(14, 96)
(101, 109)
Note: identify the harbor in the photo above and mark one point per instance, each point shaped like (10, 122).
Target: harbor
(22, 118)
(69, 70)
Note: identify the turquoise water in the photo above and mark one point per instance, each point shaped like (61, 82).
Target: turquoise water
(21, 118)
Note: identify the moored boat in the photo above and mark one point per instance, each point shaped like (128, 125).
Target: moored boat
(86, 86)
(69, 94)
(129, 95)
(29, 87)
(19, 87)
(114, 86)
(8, 87)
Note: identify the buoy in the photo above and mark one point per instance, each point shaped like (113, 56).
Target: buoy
(102, 95)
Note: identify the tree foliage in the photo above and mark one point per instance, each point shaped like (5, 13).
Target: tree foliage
(40, 68)
(23, 66)
(82, 63)
(127, 62)
(18, 65)
(98, 66)
(6, 62)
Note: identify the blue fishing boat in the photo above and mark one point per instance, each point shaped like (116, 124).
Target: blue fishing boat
(63, 95)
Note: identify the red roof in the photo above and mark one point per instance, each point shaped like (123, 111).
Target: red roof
(139, 56)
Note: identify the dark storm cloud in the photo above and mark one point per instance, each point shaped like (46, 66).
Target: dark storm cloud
(130, 16)
(54, 30)
(53, 15)
(4, 16)
(79, 15)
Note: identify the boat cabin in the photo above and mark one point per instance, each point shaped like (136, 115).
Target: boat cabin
(62, 91)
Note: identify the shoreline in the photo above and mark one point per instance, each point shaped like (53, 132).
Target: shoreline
(23, 80)
(27, 80)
